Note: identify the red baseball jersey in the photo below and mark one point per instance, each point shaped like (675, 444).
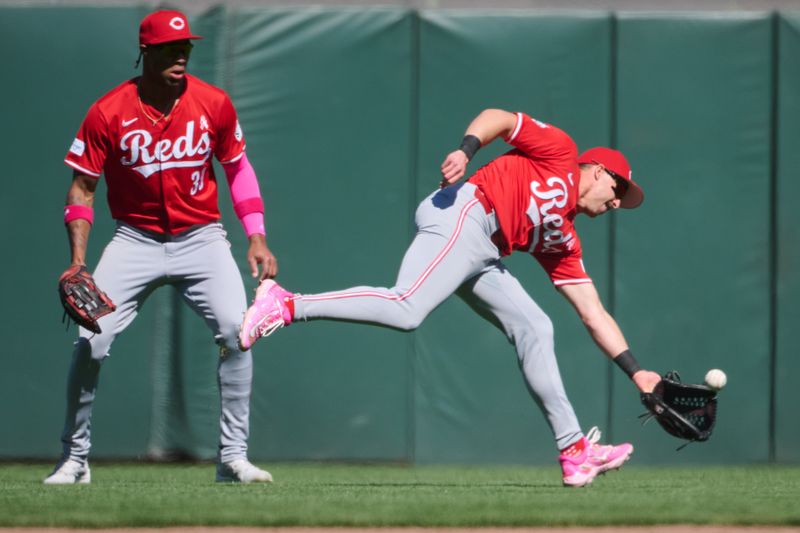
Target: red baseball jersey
(534, 192)
(158, 171)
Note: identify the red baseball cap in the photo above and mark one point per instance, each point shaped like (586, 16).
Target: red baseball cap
(163, 27)
(614, 161)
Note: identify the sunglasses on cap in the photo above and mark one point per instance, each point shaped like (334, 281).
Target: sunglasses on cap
(621, 184)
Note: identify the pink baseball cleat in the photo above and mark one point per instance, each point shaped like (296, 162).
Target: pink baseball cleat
(585, 460)
(270, 311)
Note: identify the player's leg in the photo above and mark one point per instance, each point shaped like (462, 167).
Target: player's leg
(212, 286)
(500, 298)
(452, 244)
(126, 273)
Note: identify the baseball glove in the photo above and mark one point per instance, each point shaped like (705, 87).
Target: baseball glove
(684, 411)
(81, 298)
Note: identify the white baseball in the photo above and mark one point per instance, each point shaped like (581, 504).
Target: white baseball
(716, 378)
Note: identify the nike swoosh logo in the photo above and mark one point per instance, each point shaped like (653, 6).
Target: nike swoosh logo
(126, 123)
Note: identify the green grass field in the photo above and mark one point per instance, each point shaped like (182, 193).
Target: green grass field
(140, 495)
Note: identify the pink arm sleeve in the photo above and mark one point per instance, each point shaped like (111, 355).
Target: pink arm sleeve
(246, 195)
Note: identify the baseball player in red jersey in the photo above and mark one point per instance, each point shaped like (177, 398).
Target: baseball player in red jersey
(152, 137)
(525, 200)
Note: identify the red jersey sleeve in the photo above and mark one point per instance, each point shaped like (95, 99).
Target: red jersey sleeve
(541, 141)
(564, 269)
(230, 139)
(91, 145)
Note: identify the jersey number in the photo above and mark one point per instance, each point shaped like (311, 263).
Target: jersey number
(198, 181)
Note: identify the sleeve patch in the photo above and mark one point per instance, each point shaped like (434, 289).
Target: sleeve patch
(78, 147)
(238, 132)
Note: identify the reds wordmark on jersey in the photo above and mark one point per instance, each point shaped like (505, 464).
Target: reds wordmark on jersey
(534, 192)
(159, 172)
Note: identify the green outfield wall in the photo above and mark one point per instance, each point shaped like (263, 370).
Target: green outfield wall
(348, 113)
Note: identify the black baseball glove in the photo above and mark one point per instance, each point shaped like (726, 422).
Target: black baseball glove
(81, 298)
(684, 411)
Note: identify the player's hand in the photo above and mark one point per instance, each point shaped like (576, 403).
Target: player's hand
(646, 380)
(259, 254)
(453, 168)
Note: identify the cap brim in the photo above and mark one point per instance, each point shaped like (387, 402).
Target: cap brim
(633, 198)
(172, 39)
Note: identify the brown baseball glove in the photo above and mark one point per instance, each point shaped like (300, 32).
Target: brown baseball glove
(82, 300)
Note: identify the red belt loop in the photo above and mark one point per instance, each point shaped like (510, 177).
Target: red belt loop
(483, 200)
(497, 236)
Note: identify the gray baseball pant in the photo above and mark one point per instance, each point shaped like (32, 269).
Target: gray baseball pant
(452, 252)
(200, 266)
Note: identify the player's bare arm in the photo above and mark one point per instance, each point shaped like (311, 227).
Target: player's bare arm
(486, 127)
(603, 329)
(491, 124)
(259, 254)
(80, 193)
(601, 326)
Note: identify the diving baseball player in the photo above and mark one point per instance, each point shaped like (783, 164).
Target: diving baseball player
(153, 137)
(525, 200)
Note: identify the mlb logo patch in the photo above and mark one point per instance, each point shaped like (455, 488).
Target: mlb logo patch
(78, 147)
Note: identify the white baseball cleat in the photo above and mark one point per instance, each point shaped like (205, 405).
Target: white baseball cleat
(69, 472)
(242, 471)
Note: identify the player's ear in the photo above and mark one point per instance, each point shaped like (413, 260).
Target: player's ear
(598, 172)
